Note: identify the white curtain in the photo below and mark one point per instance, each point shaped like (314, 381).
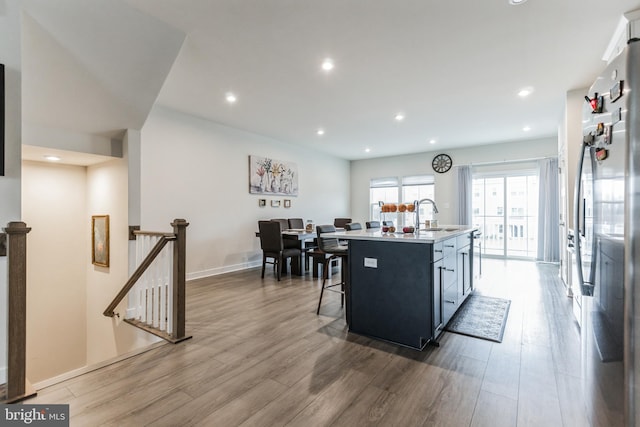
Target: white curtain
(463, 188)
(548, 212)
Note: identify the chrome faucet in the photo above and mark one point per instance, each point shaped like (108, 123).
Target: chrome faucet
(417, 203)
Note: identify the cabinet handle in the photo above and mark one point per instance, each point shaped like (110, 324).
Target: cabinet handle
(449, 246)
(449, 301)
(449, 269)
(437, 250)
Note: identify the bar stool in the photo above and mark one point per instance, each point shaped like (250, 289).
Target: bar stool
(353, 226)
(332, 250)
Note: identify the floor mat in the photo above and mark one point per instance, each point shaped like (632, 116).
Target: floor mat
(481, 317)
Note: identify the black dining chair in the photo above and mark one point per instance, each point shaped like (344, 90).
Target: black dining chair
(353, 226)
(284, 225)
(372, 224)
(296, 223)
(341, 222)
(272, 247)
(332, 250)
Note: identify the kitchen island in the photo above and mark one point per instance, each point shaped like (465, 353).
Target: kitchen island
(405, 287)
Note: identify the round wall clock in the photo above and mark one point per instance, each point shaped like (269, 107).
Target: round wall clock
(441, 163)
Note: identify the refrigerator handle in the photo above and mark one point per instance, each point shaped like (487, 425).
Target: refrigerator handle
(586, 286)
(576, 214)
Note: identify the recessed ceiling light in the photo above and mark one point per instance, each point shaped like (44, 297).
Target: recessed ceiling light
(399, 117)
(52, 158)
(516, 2)
(230, 97)
(525, 91)
(526, 128)
(367, 150)
(320, 132)
(327, 64)
(433, 141)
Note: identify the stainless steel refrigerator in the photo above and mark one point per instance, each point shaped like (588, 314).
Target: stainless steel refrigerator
(607, 227)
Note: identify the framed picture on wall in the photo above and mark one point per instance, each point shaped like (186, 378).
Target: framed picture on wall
(100, 240)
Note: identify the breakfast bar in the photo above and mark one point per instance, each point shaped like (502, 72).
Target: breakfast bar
(405, 287)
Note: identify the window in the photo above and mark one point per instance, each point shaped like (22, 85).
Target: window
(382, 190)
(400, 190)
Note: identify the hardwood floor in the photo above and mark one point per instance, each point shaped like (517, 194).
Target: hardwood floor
(260, 356)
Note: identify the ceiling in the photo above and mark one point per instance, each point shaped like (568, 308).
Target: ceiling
(454, 69)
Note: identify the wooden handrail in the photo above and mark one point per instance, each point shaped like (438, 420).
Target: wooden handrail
(177, 310)
(155, 251)
(152, 233)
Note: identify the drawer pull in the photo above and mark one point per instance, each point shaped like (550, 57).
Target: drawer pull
(449, 269)
(449, 301)
(449, 246)
(437, 250)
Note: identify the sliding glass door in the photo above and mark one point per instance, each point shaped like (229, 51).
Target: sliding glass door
(505, 208)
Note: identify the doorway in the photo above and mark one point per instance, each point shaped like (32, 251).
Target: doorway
(505, 208)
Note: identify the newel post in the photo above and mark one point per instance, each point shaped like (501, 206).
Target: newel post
(179, 274)
(17, 308)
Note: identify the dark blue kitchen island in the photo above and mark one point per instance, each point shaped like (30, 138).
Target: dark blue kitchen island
(405, 287)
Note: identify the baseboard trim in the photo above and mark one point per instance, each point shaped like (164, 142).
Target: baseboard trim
(86, 369)
(222, 270)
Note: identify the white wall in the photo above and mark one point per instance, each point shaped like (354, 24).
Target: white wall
(198, 170)
(10, 183)
(107, 194)
(419, 164)
(54, 206)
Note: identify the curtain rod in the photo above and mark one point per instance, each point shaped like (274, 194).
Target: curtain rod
(532, 159)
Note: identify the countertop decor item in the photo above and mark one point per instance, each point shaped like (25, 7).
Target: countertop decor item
(441, 163)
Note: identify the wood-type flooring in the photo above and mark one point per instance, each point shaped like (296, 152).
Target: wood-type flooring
(260, 356)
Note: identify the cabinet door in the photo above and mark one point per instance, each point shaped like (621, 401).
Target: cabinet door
(449, 271)
(449, 302)
(437, 298)
(464, 271)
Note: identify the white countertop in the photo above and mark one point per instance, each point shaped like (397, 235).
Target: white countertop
(443, 232)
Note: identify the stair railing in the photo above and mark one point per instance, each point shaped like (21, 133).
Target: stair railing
(157, 286)
(14, 246)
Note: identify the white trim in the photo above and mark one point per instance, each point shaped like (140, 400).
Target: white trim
(618, 40)
(3, 375)
(500, 162)
(222, 270)
(86, 369)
